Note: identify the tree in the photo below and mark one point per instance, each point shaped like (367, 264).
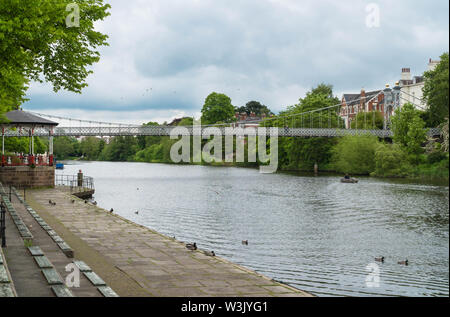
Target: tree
(409, 129)
(255, 107)
(368, 120)
(435, 93)
(217, 108)
(355, 154)
(36, 44)
(64, 147)
(91, 147)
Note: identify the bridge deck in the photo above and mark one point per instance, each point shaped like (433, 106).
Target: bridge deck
(167, 131)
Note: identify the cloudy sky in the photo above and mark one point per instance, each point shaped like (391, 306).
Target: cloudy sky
(165, 57)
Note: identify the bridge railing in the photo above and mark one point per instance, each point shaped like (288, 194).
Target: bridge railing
(189, 130)
(26, 160)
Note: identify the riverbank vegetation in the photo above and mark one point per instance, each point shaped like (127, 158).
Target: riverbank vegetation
(411, 153)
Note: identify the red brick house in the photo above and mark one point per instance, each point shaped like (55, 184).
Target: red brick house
(352, 104)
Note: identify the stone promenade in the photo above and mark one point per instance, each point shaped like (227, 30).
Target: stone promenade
(136, 261)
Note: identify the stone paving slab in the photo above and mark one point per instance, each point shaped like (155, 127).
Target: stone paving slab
(43, 262)
(3, 275)
(107, 291)
(61, 291)
(52, 276)
(35, 251)
(6, 290)
(95, 279)
(158, 265)
(83, 267)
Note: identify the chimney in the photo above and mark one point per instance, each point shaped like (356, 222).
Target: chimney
(363, 92)
(432, 64)
(406, 74)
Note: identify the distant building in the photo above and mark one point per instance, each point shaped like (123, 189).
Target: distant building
(243, 120)
(407, 89)
(411, 87)
(352, 104)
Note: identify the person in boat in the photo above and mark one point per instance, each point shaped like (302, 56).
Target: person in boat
(347, 176)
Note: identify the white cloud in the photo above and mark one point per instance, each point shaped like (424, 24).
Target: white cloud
(165, 57)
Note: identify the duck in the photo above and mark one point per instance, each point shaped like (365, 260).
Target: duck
(191, 246)
(245, 242)
(85, 201)
(94, 203)
(136, 212)
(405, 262)
(111, 210)
(380, 259)
(209, 253)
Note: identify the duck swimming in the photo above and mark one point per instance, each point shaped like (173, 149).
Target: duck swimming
(245, 242)
(403, 262)
(380, 259)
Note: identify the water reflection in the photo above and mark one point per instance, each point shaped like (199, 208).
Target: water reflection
(311, 232)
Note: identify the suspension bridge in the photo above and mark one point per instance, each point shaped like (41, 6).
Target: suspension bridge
(323, 122)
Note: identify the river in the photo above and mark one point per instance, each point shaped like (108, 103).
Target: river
(313, 233)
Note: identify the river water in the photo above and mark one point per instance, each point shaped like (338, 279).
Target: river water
(313, 233)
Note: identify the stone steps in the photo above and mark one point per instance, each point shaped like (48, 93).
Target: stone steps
(51, 275)
(65, 248)
(6, 286)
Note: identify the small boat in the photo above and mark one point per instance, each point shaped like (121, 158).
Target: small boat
(349, 180)
(59, 166)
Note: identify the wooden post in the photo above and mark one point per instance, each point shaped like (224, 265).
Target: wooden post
(316, 168)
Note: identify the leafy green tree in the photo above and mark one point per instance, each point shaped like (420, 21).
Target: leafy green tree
(64, 147)
(36, 44)
(90, 147)
(409, 129)
(368, 120)
(300, 153)
(435, 92)
(145, 141)
(391, 161)
(255, 107)
(217, 108)
(120, 149)
(355, 154)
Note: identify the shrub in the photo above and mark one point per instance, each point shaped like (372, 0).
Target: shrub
(391, 161)
(354, 154)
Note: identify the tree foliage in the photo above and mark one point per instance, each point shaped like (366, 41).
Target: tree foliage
(355, 154)
(409, 129)
(36, 44)
(371, 120)
(255, 107)
(217, 108)
(435, 92)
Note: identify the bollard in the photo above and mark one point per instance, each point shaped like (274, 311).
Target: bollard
(316, 168)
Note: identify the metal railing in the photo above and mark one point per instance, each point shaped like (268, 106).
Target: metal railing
(75, 183)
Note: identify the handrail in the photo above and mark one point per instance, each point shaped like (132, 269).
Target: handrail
(85, 183)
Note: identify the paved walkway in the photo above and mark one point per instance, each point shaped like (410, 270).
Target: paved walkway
(52, 252)
(136, 261)
(26, 275)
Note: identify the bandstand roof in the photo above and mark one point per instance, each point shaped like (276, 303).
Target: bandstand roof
(20, 117)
